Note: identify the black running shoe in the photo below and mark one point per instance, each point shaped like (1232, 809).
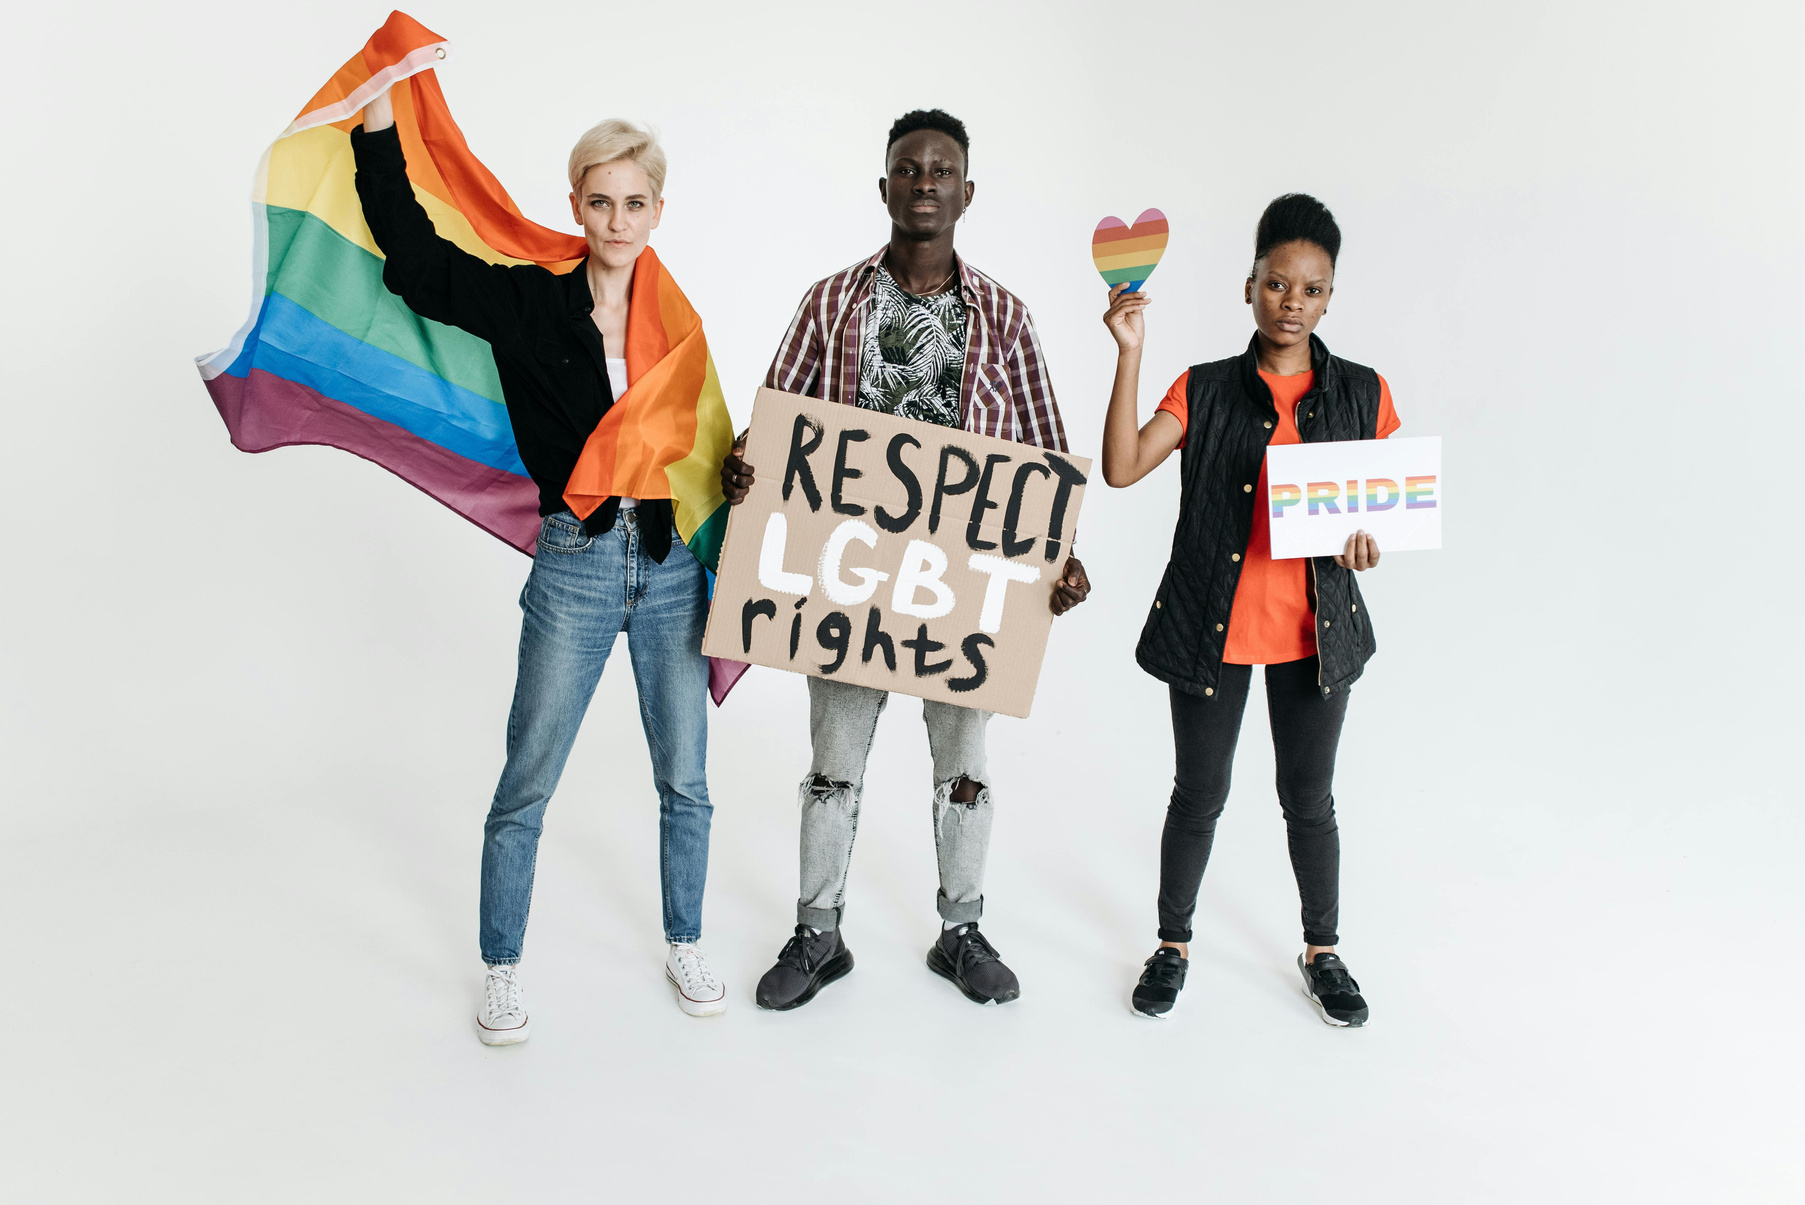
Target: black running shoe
(1160, 983)
(809, 962)
(1333, 990)
(971, 962)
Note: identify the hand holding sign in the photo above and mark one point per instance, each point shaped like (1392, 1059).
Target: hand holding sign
(1360, 553)
(1074, 587)
(736, 474)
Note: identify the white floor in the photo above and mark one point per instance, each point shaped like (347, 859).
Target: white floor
(244, 965)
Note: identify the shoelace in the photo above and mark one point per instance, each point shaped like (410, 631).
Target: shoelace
(1162, 972)
(502, 990)
(795, 951)
(696, 973)
(1334, 981)
(973, 949)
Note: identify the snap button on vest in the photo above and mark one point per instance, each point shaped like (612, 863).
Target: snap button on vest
(1234, 556)
(1247, 489)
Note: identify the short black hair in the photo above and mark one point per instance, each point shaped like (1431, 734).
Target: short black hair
(930, 119)
(1293, 217)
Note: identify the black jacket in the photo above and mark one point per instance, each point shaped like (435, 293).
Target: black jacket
(1231, 419)
(540, 326)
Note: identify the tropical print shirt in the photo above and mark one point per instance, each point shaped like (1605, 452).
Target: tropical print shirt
(914, 353)
(1003, 391)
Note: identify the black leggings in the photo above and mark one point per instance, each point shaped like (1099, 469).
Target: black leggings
(1306, 728)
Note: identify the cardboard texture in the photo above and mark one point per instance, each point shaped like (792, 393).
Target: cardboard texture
(1319, 494)
(895, 554)
(1125, 253)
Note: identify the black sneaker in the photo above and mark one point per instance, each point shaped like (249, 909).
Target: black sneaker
(1160, 983)
(971, 962)
(1333, 990)
(808, 962)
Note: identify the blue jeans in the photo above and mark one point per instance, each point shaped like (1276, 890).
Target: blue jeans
(581, 594)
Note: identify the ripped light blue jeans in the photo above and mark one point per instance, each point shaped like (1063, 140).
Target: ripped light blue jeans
(842, 720)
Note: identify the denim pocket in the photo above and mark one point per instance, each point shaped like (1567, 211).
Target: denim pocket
(563, 533)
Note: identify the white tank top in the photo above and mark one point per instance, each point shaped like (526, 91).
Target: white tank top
(617, 381)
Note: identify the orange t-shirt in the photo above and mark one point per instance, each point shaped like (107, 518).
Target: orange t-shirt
(1271, 621)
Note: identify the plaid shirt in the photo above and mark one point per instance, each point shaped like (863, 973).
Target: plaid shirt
(1004, 391)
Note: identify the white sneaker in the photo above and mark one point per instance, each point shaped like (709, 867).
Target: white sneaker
(699, 993)
(502, 1020)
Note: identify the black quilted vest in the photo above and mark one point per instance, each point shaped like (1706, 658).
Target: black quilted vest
(1231, 419)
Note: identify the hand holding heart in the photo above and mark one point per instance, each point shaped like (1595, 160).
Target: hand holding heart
(1125, 319)
(1126, 255)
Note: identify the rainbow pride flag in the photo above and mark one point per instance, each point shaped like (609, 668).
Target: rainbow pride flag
(666, 435)
(329, 356)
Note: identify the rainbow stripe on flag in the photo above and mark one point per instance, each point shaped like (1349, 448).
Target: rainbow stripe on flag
(330, 356)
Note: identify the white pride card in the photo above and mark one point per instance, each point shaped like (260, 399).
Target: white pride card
(1318, 494)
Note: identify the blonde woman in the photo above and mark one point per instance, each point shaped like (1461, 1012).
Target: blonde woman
(560, 346)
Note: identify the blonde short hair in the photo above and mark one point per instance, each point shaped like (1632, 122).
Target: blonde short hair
(612, 141)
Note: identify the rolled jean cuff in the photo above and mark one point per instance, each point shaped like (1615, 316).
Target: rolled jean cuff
(969, 912)
(501, 962)
(683, 941)
(1166, 934)
(1321, 939)
(818, 918)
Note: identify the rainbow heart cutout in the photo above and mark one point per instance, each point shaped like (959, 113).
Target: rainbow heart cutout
(1128, 254)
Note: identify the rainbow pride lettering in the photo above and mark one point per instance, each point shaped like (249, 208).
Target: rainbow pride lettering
(1326, 497)
(1372, 495)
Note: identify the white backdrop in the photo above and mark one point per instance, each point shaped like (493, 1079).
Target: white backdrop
(254, 706)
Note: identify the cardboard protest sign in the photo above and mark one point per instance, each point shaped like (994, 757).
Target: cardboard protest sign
(895, 554)
(1322, 493)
